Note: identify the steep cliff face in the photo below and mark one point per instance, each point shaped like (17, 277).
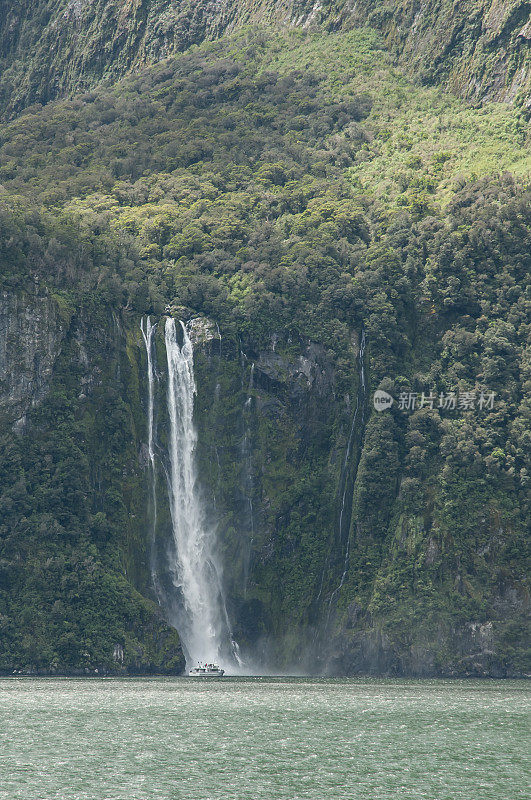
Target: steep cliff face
(479, 50)
(74, 512)
(353, 540)
(273, 434)
(327, 568)
(326, 564)
(31, 333)
(48, 49)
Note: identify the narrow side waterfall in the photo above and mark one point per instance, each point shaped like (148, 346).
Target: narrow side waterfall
(347, 481)
(196, 573)
(148, 331)
(361, 402)
(247, 475)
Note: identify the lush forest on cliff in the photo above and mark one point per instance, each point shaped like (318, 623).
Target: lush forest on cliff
(301, 192)
(478, 49)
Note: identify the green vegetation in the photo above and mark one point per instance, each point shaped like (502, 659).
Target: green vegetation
(73, 521)
(417, 139)
(50, 48)
(296, 189)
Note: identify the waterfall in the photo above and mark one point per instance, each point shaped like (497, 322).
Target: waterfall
(148, 331)
(346, 484)
(247, 476)
(361, 402)
(202, 620)
(360, 406)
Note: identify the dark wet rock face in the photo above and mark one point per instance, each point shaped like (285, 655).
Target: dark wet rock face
(272, 439)
(31, 333)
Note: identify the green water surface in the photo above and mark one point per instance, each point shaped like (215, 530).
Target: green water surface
(263, 738)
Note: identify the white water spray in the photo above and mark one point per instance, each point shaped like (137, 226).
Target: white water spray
(147, 332)
(203, 622)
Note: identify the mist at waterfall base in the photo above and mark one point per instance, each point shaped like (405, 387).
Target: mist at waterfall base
(194, 603)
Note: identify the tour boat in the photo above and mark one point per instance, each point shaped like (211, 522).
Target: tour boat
(206, 671)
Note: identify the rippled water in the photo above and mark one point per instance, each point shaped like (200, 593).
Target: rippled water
(252, 739)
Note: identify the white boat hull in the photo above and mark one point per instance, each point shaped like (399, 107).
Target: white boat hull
(205, 674)
(206, 671)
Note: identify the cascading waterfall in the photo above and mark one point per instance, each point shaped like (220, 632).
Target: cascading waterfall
(360, 406)
(346, 484)
(202, 622)
(148, 331)
(247, 476)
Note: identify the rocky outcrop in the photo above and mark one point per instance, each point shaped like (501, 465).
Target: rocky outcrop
(310, 371)
(203, 331)
(31, 332)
